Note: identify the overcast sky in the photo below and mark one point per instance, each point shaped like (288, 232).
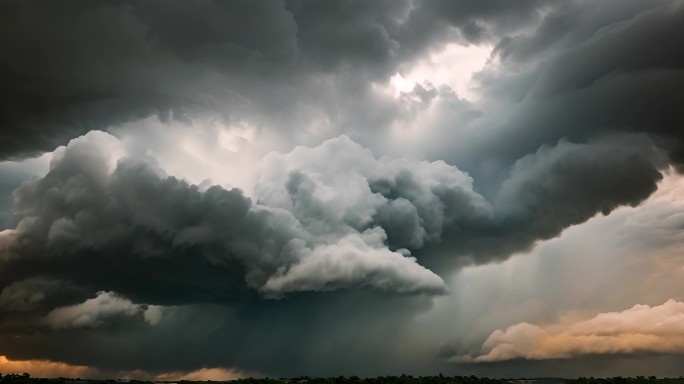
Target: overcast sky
(219, 189)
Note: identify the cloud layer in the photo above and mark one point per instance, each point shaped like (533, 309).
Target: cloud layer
(52, 369)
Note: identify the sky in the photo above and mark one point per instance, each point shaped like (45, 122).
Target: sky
(210, 190)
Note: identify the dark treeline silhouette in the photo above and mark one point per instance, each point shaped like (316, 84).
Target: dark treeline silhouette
(403, 379)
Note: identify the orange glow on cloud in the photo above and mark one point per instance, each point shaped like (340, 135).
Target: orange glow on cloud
(51, 369)
(204, 374)
(43, 368)
(640, 329)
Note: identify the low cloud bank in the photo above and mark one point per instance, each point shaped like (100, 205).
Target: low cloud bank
(640, 329)
(52, 369)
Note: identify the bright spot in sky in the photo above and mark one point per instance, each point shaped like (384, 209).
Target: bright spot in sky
(453, 66)
(236, 137)
(401, 85)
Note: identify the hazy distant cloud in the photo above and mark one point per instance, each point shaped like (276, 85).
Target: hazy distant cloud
(204, 374)
(30, 294)
(15, 298)
(640, 329)
(51, 369)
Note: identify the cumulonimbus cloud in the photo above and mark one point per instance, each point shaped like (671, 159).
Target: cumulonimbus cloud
(335, 209)
(640, 329)
(142, 224)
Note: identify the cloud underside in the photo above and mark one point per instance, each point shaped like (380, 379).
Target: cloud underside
(641, 329)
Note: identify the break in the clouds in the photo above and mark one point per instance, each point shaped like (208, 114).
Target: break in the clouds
(214, 189)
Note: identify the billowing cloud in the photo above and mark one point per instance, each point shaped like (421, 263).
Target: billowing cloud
(640, 329)
(314, 176)
(12, 175)
(559, 186)
(93, 312)
(576, 75)
(340, 185)
(86, 207)
(132, 60)
(569, 183)
(356, 260)
(29, 294)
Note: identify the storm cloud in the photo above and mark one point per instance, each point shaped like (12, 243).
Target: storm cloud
(78, 66)
(219, 184)
(133, 218)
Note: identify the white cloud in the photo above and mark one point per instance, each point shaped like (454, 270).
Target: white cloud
(339, 185)
(94, 312)
(356, 260)
(354, 205)
(153, 314)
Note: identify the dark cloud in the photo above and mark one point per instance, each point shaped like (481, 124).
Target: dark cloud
(76, 66)
(105, 245)
(117, 245)
(471, 22)
(11, 179)
(566, 185)
(578, 114)
(365, 41)
(159, 240)
(583, 73)
(555, 188)
(318, 334)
